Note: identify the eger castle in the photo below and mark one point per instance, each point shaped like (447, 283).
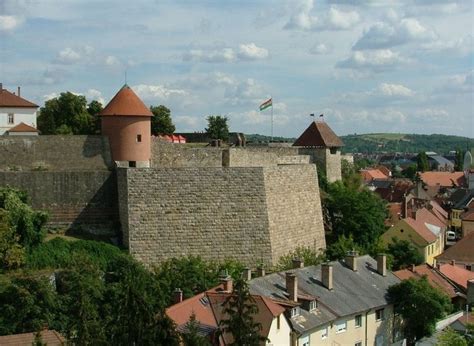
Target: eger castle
(164, 200)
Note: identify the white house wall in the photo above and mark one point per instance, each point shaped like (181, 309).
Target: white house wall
(279, 336)
(21, 115)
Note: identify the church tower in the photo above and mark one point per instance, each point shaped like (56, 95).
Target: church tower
(324, 147)
(126, 121)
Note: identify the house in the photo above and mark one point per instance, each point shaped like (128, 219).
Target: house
(460, 254)
(443, 179)
(437, 280)
(425, 231)
(208, 309)
(460, 276)
(15, 110)
(48, 337)
(335, 303)
(370, 174)
(461, 202)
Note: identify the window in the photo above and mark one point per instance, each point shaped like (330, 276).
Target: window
(358, 343)
(358, 321)
(304, 341)
(333, 150)
(379, 314)
(295, 312)
(132, 164)
(313, 305)
(278, 322)
(469, 267)
(11, 118)
(139, 138)
(341, 327)
(324, 333)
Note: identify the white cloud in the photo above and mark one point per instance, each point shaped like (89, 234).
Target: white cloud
(376, 61)
(432, 114)
(395, 90)
(68, 56)
(50, 96)
(93, 94)
(320, 49)
(248, 51)
(385, 35)
(188, 123)
(152, 92)
(334, 19)
(247, 91)
(112, 61)
(463, 45)
(461, 83)
(10, 23)
(252, 52)
(211, 56)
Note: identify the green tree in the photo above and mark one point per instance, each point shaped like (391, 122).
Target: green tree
(67, 114)
(81, 289)
(459, 160)
(191, 336)
(420, 305)
(27, 304)
(161, 122)
(410, 172)
(217, 127)
(422, 164)
(308, 255)
(94, 108)
(357, 212)
(403, 254)
(240, 308)
(449, 337)
(339, 248)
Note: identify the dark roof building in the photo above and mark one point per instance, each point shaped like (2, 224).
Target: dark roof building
(319, 135)
(461, 253)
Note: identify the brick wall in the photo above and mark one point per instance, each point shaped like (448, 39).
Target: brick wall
(75, 200)
(250, 214)
(54, 153)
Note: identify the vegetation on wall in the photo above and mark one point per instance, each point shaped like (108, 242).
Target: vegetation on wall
(217, 127)
(161, 122)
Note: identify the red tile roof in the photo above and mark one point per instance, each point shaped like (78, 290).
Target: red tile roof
(8, 99)
(446, 179)
(468, 215)
(425, 216)
(126, 103)
(434, 278)
(22, 127)
(318, 134)
(457, 274)
(371, 174)
(461, 252)
(49, 337)
(420, 228)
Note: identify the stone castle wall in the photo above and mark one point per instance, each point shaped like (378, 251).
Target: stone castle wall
(250, 214)
(85, 201)
(165, 154)
(54, 153)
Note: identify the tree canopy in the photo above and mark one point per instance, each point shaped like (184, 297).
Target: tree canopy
(69, 114)
(217, 127)
(422, 164)
(420, 305)
(403, 254)
(161, 122)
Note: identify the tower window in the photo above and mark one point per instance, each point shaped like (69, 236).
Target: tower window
(139, 138)
(11, 118)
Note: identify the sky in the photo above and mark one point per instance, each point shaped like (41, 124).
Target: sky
(368, 65)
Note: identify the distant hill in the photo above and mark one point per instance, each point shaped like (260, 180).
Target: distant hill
(408, 143)
(388, 142)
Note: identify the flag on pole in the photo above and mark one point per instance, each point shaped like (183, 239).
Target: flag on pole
(266, 104)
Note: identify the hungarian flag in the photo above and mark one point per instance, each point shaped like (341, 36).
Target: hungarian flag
(266, 104)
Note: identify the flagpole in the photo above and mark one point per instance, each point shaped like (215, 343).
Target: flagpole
(272, 121)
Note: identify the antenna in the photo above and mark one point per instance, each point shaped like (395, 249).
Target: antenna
(125, 76)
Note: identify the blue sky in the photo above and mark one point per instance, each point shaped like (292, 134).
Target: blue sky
(369, 66)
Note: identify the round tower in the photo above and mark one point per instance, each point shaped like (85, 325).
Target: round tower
(126, 121)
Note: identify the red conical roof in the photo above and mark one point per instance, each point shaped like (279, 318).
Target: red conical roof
(126, 103)
(318, 134)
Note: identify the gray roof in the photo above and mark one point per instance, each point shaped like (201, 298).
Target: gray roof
(353, 292)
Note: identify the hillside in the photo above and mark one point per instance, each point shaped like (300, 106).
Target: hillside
(410, 143)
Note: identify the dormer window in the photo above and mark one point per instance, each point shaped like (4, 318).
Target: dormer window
(295, 311)
(313, 305)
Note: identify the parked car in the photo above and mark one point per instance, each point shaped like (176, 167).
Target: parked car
(451, 235)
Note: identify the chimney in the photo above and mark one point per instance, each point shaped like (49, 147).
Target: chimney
(326, 275)
(247, 274)
(260, 271)
(226, 281)
(470, 292)
(410, 268)
(1, 86)
(292, 286)
(298, 263)
(453, 262)
(19, 91)
(351, 260)
(178, 295)
(382, 264)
